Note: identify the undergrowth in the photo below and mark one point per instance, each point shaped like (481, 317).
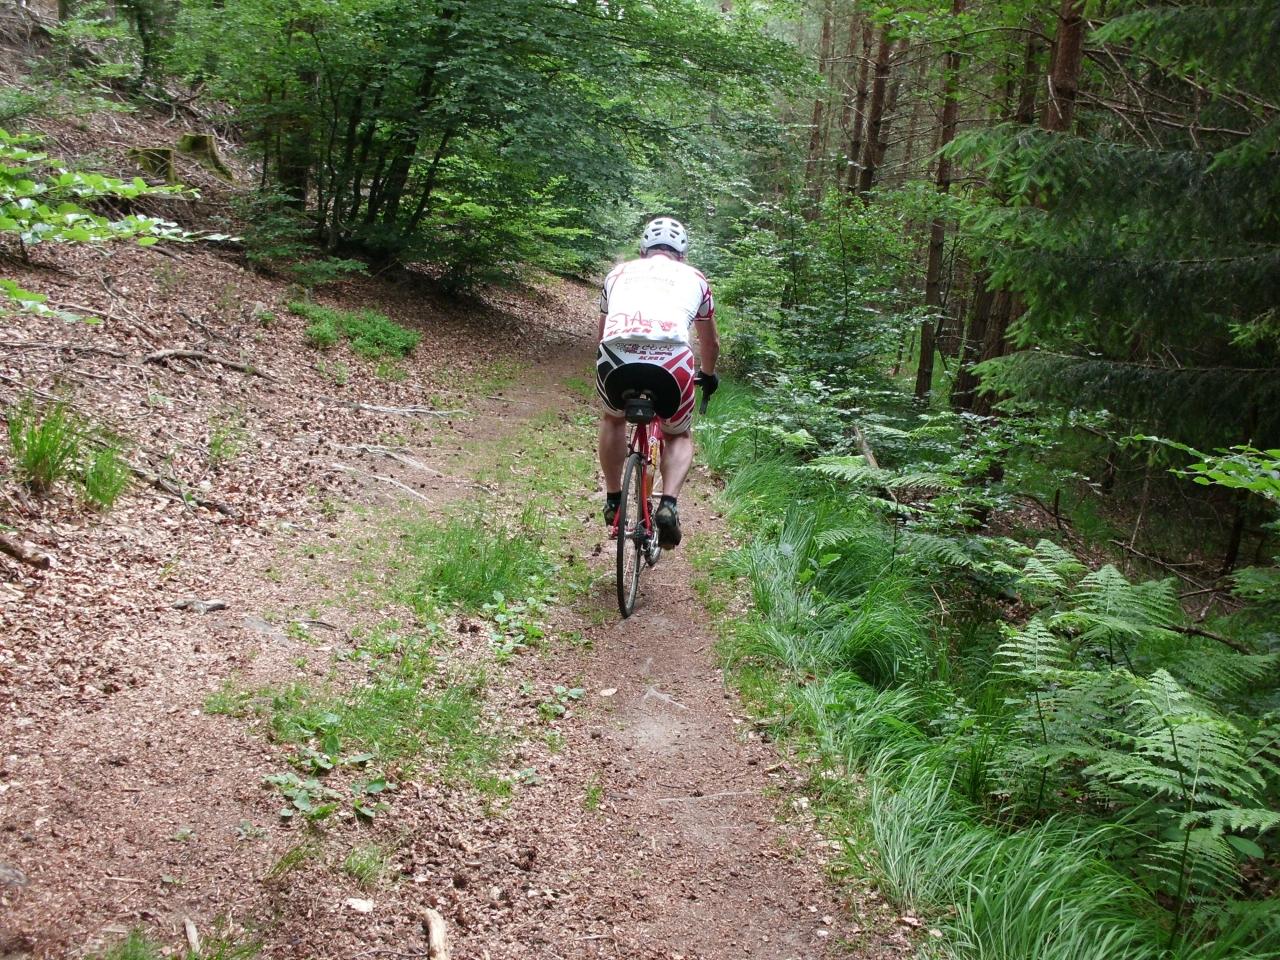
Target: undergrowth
(468, 560)
(1050, 769)
(215, 945)
(372, 335)
(50, 444)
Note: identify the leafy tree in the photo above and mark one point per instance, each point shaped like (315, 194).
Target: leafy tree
(40, 203)
(475, 135)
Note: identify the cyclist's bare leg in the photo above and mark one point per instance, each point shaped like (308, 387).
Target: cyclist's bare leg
(613, 450)
(677, 457)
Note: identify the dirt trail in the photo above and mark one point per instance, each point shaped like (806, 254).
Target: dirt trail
(651, 830)
(685, 855)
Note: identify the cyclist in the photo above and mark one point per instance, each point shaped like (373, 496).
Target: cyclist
(646, 309)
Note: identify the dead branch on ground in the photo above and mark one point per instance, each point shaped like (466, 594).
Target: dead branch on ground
(346, 468)
(25, 552)
(164, 356)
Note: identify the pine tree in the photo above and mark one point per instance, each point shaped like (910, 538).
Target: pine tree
(1164, 313)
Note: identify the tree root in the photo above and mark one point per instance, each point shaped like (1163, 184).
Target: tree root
(164, 356)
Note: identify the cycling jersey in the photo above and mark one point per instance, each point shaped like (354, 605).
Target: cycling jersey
(654, 300)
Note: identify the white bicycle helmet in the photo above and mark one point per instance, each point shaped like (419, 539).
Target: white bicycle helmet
(667, 232)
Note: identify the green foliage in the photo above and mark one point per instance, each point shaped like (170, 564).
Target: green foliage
(47, 206)
(812, 295)
(471, 560)
(1133, 298)
(44, 203)
(1088, 779)
(480, 136)
(17, 104)
(404, 711)
(279, 237)
(46, 444)
(321, 333)
(1241, 467)
(50, 444)
(105, 476)
(372, 335)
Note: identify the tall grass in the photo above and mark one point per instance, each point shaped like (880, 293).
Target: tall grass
(46, 443)
(468, 559)
(105, 476)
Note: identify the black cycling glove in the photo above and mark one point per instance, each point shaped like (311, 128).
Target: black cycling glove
(709, 382)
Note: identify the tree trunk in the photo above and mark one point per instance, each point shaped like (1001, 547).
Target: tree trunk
(875, 115)
(294, 149)
(965, 386)
(913, 124)
(1006, 306)
(813, 163)
(1064, 75)
(858, 128)
(951, 330)
(994, 343)
(938, 228)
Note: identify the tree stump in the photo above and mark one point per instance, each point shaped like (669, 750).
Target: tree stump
(156, 162)
(204, 149)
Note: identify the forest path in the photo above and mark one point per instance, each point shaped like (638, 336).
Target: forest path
(659, 832)
(138, 740)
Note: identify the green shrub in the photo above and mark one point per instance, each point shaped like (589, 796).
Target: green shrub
(322, 270)
(45, 443)
(321, 334)
(371, 334)
(17, 104)
(105, 476)
(280, 238)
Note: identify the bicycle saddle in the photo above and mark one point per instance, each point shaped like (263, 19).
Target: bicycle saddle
(638, 406)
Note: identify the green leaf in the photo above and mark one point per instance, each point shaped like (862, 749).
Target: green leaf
(1245, 846)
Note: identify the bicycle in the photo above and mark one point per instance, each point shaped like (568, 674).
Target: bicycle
(633, 526)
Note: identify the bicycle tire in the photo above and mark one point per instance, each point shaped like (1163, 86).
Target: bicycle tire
(630, 550)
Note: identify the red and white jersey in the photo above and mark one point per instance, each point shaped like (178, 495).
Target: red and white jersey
(654, 299)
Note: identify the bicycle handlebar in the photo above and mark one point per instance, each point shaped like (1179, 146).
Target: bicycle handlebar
(702, 408)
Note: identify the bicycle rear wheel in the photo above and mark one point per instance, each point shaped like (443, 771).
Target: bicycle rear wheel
(631, 534)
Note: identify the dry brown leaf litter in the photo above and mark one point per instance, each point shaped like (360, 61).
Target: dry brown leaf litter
(123, 804)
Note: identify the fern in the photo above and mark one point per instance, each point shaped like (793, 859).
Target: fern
(1264, 748)
(853, 470)
(1111, 614)
(1234, 819)
(1062, 562)
(1106, 591)
(1031, 654)
(1178, 730)
(856, 471)
(837, 536)
(1037, 574)
(1215, 671)
(942, 551)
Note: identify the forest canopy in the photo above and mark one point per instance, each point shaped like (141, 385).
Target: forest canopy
(477, 135)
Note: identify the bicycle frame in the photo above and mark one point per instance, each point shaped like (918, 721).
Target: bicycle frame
(647, 440)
